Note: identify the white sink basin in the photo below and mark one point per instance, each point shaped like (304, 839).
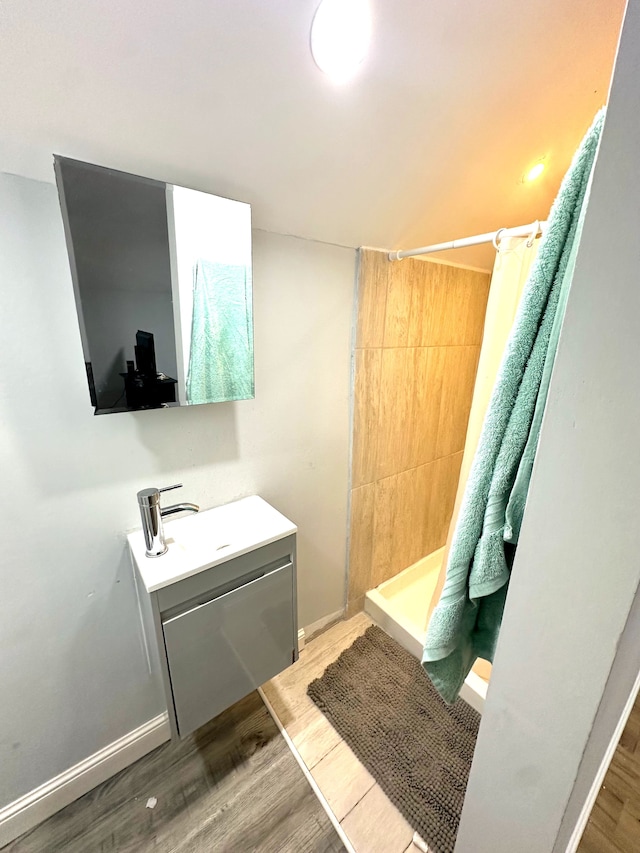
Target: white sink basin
(208, 538)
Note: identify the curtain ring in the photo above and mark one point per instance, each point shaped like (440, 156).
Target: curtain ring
(496, 239)
(534, 233)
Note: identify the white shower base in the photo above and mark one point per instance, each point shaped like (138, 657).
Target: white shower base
(399, 606)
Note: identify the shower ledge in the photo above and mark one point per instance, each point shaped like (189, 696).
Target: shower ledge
(381, 609)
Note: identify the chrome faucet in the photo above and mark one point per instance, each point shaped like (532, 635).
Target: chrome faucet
(152, 515)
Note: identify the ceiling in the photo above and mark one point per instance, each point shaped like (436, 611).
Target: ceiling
(428, 142)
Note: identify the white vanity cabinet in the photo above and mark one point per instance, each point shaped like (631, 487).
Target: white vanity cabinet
(224, 623)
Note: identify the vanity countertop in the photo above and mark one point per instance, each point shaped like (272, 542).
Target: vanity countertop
(208, 538)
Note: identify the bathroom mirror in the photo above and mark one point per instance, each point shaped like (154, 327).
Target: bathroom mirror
(163, 287)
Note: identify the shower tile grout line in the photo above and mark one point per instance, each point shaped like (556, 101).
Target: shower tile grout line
(426, 346)
(406, 470)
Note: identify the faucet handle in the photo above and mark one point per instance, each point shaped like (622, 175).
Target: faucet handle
(151, 497)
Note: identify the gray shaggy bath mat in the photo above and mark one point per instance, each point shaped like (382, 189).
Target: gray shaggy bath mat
(419, 749)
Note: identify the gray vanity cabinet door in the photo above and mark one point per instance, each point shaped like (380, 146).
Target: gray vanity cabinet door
(220, 651)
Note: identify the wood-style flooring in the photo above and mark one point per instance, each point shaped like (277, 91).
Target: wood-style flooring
(233, 786)
(614, 825)
(370, 821)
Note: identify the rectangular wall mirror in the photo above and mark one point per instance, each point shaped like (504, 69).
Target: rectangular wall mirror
(163, 285)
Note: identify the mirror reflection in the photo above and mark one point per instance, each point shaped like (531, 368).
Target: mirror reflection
(163, 285)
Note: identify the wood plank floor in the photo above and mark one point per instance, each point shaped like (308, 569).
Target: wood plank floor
(371, 822)
(614, 825)
(232, 786)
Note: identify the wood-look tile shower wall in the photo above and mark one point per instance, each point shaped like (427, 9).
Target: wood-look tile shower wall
(417, 346)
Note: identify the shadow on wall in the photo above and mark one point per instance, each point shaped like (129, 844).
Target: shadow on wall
(78, 450)
(99, 646)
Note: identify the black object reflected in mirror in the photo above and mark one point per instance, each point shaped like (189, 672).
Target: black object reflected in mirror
(144, 387)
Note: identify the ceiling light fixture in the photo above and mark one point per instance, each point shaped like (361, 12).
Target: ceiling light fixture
(534, 172)
(340, 36)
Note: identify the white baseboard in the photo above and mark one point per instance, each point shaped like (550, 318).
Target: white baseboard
(585, 814)
(312, 629)
(31, 809)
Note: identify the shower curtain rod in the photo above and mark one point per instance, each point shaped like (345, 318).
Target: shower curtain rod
(531, 230)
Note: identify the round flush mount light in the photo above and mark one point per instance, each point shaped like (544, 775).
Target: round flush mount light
(534, 172)
(340, 36)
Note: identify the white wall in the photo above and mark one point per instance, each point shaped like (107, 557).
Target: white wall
(565, 664)
(72, 669)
